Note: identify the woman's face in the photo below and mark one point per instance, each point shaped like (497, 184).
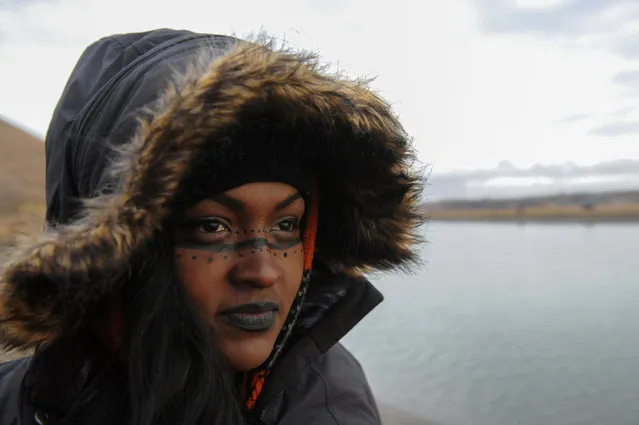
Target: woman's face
(240, 257)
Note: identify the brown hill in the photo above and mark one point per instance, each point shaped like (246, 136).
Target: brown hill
(22, 192)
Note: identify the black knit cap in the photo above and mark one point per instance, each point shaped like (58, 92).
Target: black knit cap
(245, 165)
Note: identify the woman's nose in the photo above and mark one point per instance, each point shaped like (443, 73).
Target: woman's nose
(255, 269)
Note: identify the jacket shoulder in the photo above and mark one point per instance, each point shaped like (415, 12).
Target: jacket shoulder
(333, 390)
(11, 375)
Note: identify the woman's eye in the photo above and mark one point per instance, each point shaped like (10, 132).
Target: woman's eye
(205, 227)
(287, 225)
(211, 226)
(204, 231)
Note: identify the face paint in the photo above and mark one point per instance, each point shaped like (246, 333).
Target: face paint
(242, 247)
(253, 244)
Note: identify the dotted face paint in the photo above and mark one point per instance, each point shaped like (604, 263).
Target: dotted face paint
(252, 244)
(223, 249)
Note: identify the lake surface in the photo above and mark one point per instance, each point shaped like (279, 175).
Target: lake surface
(511, 324)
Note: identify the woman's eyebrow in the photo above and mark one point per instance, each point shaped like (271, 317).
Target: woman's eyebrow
(288, 201)
(230, 202)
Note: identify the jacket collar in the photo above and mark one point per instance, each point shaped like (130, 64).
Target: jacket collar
(335, 304)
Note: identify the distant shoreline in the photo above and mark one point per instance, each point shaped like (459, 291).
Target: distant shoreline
(614, 213)
(523, 220)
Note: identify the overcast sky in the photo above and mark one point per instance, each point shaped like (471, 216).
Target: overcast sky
(475, 81)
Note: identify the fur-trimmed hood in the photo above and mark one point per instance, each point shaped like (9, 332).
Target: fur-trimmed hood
(364, 163)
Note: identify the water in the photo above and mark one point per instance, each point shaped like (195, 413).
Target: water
(511, 324)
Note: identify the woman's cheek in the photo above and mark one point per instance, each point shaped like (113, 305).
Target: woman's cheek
(200, 279)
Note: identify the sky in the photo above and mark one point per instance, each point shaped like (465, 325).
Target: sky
(475, 82)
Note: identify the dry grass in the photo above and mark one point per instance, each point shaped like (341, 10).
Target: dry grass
(620, 212)
(22, 190)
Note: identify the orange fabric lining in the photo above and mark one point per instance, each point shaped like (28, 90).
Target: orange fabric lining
(109, 329)
(310, 233)
(256, 388)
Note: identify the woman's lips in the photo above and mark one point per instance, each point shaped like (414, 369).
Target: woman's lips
(253, 317)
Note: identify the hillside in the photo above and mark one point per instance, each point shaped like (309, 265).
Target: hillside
(22, 193)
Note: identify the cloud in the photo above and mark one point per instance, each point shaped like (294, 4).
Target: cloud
(622, 112)
(574, 118)
(551, 171)
(570, 17)
(619, 128)
(18, 4)
(626, 77)
(13, 6)
(628, 80)
(627, 46)
(605, 24)
(506, 180)
(618, 113)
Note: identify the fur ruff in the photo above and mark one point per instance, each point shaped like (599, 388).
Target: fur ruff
(364, 162)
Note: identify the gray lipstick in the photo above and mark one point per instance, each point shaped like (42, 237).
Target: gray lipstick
(251, 322)
(255, 317)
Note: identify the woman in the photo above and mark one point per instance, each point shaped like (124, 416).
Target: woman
(211, 207)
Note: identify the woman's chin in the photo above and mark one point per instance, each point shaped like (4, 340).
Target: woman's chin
(248, 353)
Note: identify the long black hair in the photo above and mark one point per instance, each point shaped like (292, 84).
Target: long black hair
(177, 373)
